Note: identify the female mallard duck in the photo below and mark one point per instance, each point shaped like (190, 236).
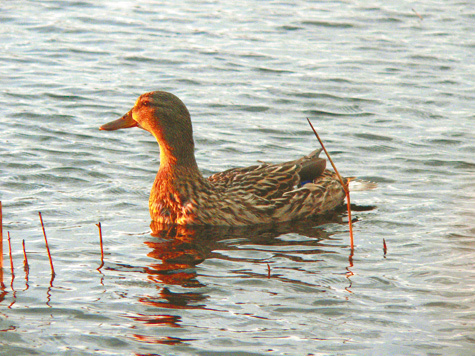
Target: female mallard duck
(260, 194)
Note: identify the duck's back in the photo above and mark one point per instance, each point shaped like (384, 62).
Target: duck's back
(267, 181)
(278, 192)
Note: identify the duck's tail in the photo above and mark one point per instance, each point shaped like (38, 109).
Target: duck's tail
(313, 167)
(359, 185)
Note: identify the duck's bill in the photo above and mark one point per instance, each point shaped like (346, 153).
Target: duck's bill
(124, 122)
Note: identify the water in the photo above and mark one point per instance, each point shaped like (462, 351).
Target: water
(391, 94)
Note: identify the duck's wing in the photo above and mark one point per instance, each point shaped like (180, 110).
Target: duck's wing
(266, 180)
(324, 194)
(270, 181)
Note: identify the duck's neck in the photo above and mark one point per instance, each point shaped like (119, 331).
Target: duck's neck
(176, 168)
(177, 184)
(173, 160)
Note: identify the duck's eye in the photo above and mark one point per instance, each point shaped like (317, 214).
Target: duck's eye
(142, 102)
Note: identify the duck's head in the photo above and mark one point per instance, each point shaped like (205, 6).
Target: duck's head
(165, 117)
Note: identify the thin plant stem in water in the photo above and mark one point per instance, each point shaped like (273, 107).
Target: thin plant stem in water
(26, 266)
(11, 258)
(47, 246)
(418, 15)
(102, 246)
(343, 183)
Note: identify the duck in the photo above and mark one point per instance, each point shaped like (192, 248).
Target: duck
(265, 193)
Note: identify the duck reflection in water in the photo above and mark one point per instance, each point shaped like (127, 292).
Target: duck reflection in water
(183, 247)
(179, 249)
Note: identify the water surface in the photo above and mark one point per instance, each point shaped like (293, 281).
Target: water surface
(389, 87)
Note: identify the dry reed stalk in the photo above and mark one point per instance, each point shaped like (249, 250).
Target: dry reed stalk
(344, 185)
(26, 266)
(102, 246)
(12, 269)
(47, 246)
(11, 257)
(418, 15)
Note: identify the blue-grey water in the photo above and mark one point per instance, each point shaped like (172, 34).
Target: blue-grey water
(390, 87)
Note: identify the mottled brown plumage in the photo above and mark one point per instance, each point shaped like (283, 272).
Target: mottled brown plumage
(260, 194)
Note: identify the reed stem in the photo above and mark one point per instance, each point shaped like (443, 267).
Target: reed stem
(10, 252)
(343, 183)
(102, 246)
(47, 246)
(26, 266)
